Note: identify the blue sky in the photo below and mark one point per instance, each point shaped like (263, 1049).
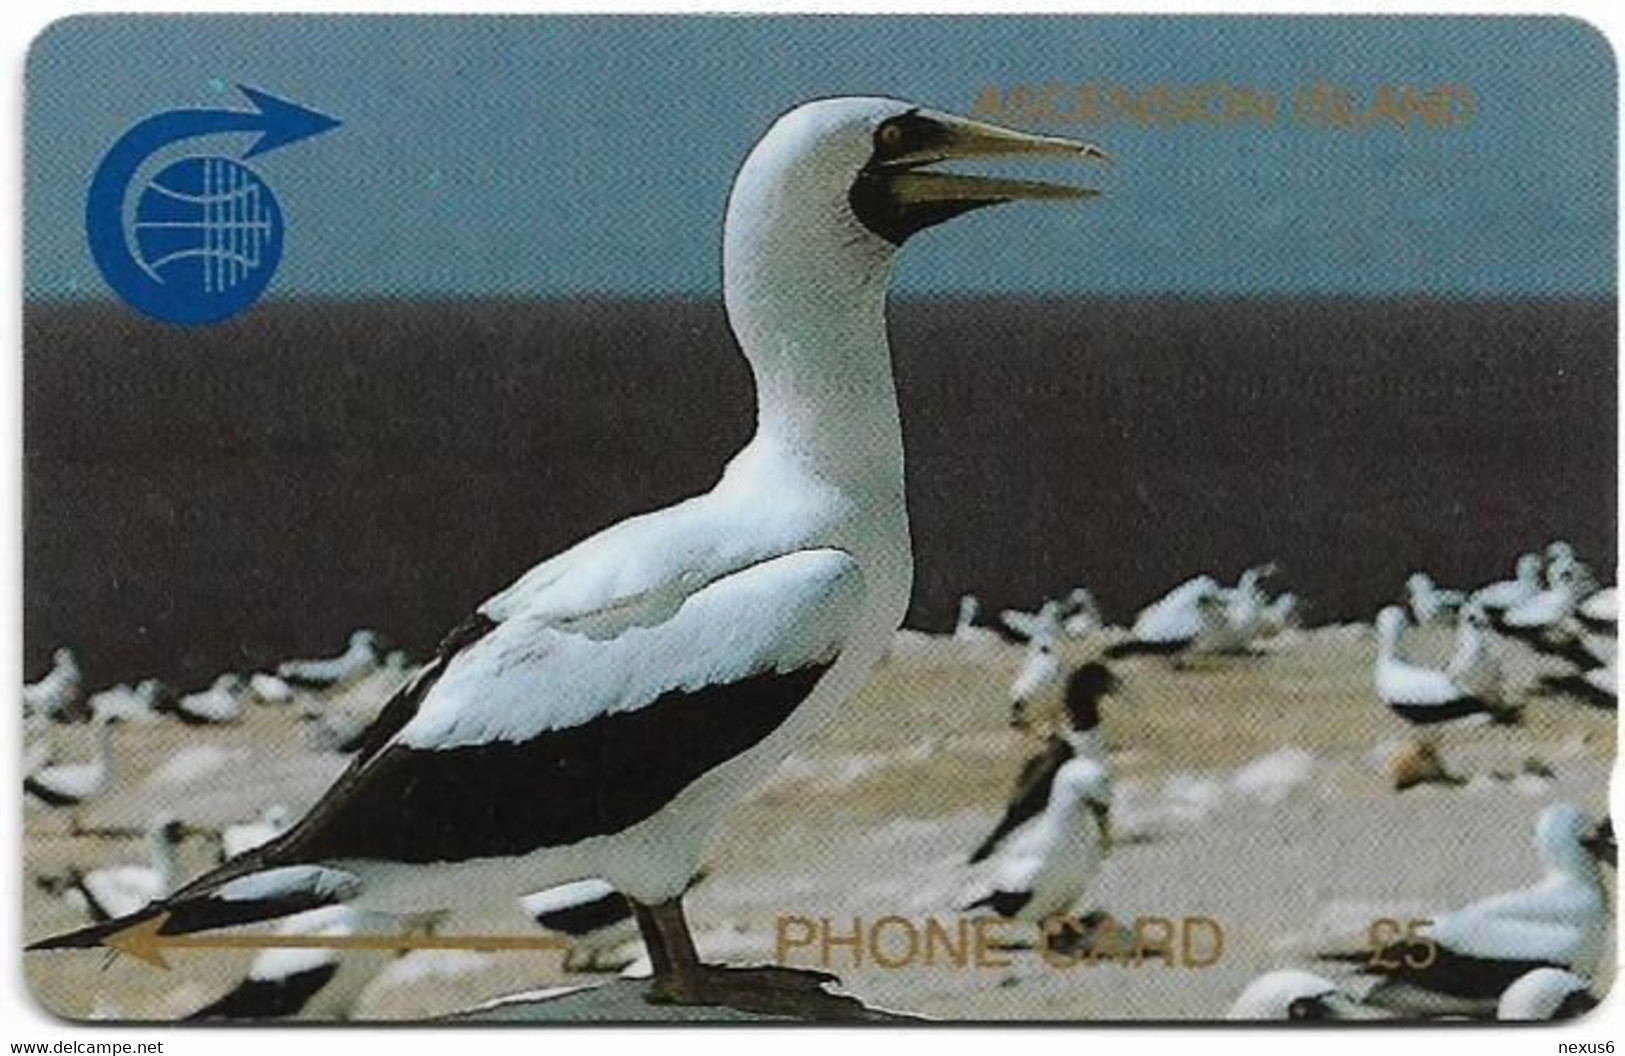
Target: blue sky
(542, 157)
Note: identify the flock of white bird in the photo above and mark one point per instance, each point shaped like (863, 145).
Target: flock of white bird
(1528, 954)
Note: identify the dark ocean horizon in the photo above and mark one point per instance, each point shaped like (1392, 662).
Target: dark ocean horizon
(218, 499)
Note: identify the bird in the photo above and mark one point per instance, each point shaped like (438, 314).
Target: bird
(596, 917)
(1546, 993)
(1563, 563)
(1042, 872)
(1086, 689)
(1599, 612)
(244, 836)
(1038, 679)
(1295, 995)
(60, 693)
(118, 890)
(1283, 613)
(1243, 614)
(1080, 614)
(1190, 613)
(1428, 602)
(1423, 696)
(966, 630)
(315, 984)
(1541, 621)
(1510, 593)
(1475, 666)
(599, 716)
(359, 659)
(269, 689)
(1473, 954)
(70, 784)
(1021, 626)
(219, 705)
(125, 704)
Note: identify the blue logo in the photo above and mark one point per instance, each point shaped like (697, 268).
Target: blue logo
(206, 233)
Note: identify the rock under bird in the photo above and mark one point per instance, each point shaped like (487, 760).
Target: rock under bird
(1086, 689)
(1477, 952)
(599, 716)
(1042, 872)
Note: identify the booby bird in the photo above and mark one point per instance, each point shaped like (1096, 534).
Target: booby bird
(1044, 870)
(219, 705)
(1423, 696)
(966, 630)
(1283, 613)
(58, 695)
(1191, 612)
(1298, 996)
(1480, 950)
(1475, 666)
(1599, 613)
(118, 890)
(319, 985)
(358, 660)
(70, 784)
(269, 689)
(1509, 593)
(244, 836)
(1540, 620)
(1080, 614)
(1428, 602)
(1546, 993)
(1086, 689)
(1562, 562)
(1243, 614)
(137, 705)
(1029, 626)
(597, 717)
(1039, 677)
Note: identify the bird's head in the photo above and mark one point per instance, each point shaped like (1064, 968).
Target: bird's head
(871, 164)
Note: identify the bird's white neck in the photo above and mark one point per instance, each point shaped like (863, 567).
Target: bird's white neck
(806, 297)
(164, 860)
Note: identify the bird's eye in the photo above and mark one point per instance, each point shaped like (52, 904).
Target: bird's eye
(890, 135)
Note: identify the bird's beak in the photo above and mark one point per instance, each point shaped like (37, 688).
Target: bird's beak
(960, 138)
(1601, 844)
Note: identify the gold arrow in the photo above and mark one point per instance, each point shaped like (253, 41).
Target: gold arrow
(145, 942)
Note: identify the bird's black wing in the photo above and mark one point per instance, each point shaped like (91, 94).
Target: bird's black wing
(1030, 795)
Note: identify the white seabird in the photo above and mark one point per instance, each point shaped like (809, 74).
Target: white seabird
(269, 689)
(1029, 626)
(1080, 614)
(1420, 695)
(244, 836)
(1599, 612)
(599, 716)
(1563, 563)
(1543, 613)
(1187, 615)
(359, 659)
(1546, 993)
(1243, 614)
(966, 630)
(1475, 666)
(118, 890)
(1038, 679)
(58, 694)
(1295, 995)
(70, 784)
(1480, 950)
(1430, 603)
(1045, 869)
(1086, 689)
(316, 984)
(219, 705)
(125, 704)
(596, 917)
(1510, 593)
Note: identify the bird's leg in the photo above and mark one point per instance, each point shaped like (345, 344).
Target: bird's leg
(681, 978)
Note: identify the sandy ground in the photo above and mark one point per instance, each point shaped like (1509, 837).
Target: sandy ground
(1248, 792)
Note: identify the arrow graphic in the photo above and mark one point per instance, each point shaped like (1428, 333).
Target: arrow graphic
(146, 942)
(279, 123)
